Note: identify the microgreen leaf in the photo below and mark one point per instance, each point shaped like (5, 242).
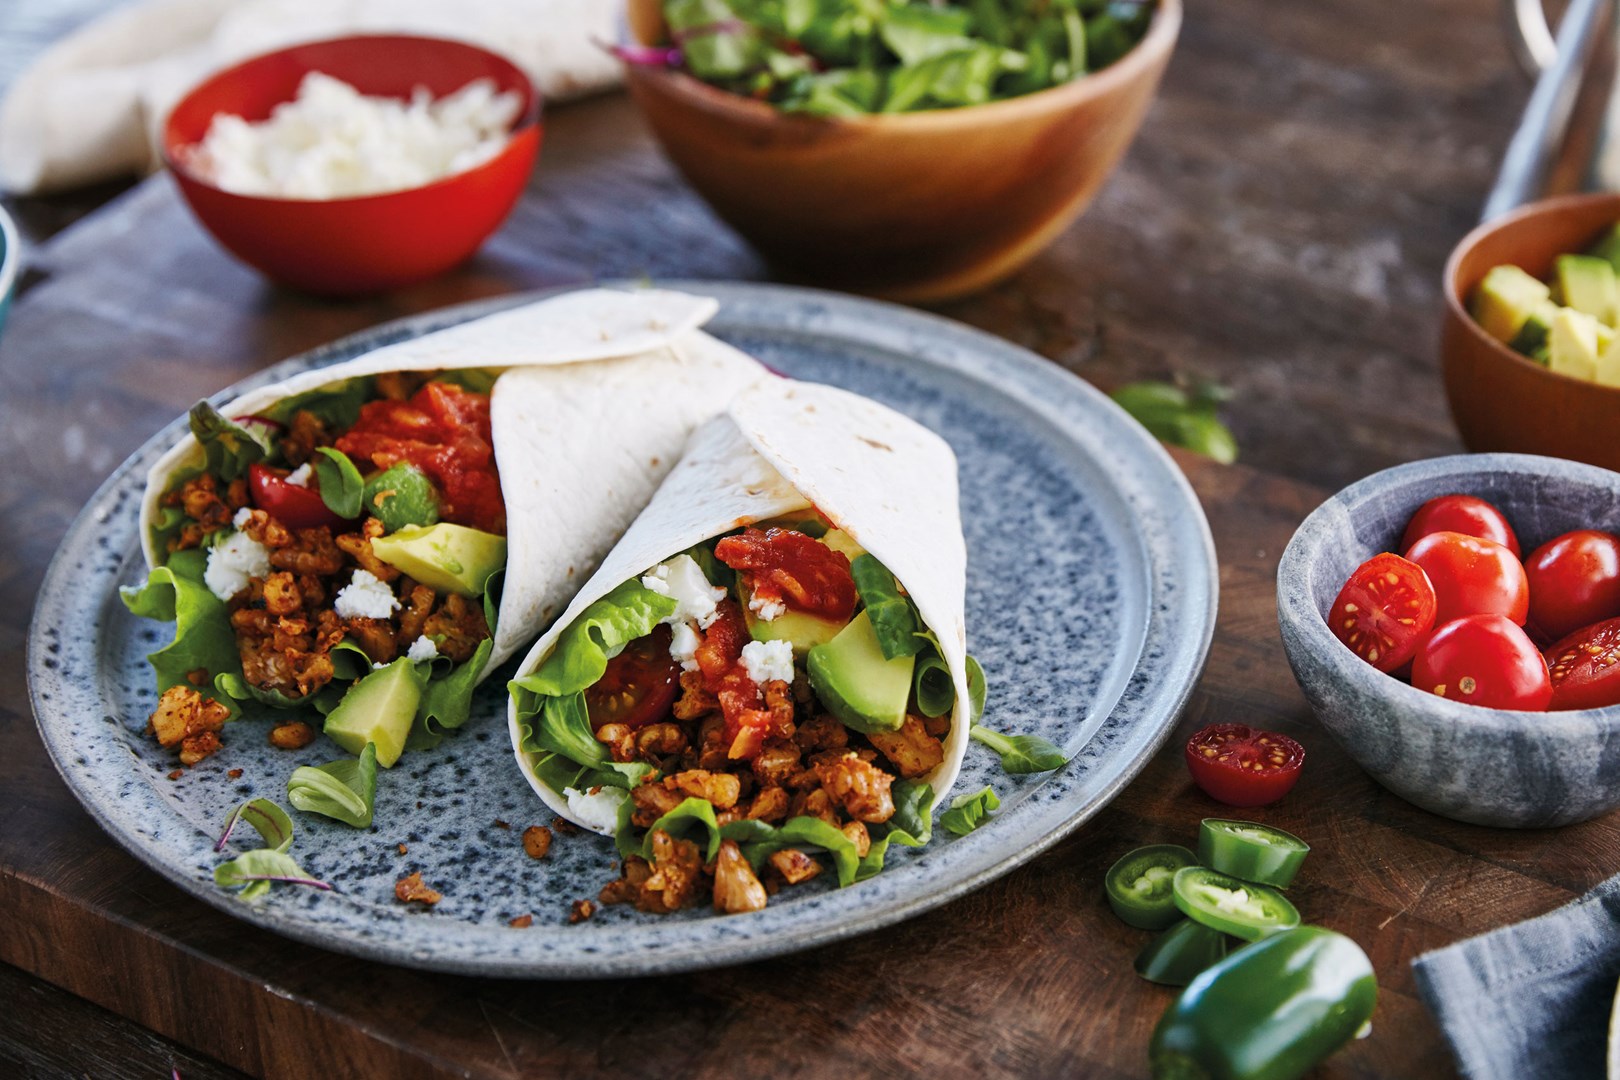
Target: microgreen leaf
(1020, 753)
(271, 822)
(344, 790)
(255, 871)
(341, 484)
(968, 812)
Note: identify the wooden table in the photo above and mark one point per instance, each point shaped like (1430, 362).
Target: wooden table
(1279, 226)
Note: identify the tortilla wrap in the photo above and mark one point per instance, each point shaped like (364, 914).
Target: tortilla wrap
(600, 392)
(782, 446)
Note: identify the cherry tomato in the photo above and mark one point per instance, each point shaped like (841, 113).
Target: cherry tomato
(639, 685)
(444, 431)
(1574, 582)
(295, 507)
(799, 570)
(1585, 668)
(1463, 514)
(1472, 577)
(1383, 611)
(1484, 660)
(1239, 766)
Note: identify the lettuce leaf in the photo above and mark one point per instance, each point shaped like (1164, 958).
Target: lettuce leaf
(911, 826)
(228, 447)
(629, 612)
(968, 812)
(336, 406)
(894, 618)
(270, 821)
(344, 790)
(339, 482)
(1020, 753)
(447, 697)
(760, 840)
(690, 814)
(203, 637)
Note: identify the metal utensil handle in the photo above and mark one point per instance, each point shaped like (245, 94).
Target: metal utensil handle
(1540, 134)
(1529, 36)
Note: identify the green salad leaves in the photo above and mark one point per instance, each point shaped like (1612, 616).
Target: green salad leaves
(855, 57)
(203, 637)
(344, 790)
(968, 812)
(255, 871)
(1020, 753)
(1186, 418)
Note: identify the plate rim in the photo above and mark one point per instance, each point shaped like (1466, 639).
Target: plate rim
(1169, 699)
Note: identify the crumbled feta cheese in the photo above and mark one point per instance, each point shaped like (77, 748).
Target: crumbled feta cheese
(682, 580)
(597, 809)
(232, 561)
(767, 610)
(683, 643)
(242, 516)
(365, 597)
(334, 142)
(422, 649)
(768, 661)
(301, 476)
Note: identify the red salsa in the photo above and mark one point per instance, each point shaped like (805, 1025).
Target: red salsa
(444, 431)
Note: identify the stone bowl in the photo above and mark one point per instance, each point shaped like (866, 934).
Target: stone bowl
(1482, 766)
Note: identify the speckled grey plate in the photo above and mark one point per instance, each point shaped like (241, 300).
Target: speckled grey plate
(1091, 602)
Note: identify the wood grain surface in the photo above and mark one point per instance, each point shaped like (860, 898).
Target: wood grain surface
(1279, 225)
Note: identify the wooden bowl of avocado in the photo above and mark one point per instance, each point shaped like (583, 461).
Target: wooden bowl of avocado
(1530, 350)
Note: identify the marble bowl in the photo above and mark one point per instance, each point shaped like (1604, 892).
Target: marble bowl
(1482, 766)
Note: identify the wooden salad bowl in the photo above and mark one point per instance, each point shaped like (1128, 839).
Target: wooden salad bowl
(1499, 399)
(915, 206)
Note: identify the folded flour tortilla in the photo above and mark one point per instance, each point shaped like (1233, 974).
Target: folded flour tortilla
(783, 446)
(599, 392)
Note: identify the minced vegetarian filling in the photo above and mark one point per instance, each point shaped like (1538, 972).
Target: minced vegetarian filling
(754, 749)
(298, 579)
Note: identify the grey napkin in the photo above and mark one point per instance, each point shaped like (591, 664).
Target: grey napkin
(1532, 1000)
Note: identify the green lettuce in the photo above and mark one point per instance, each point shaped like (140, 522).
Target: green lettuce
(339, 482)
(1020, 753)
(760, 840)
(336, 406)
(256, 870)
(894, 617)
(447, 697)
(968, 812)
(203, 637)
(228, 447)
(692, 814)
(344, 790)
(911, 826)
(552, 716)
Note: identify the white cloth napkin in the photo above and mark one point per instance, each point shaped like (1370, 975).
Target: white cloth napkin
(90, 107)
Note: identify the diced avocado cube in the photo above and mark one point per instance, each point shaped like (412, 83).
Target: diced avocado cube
(401, 496)
(1505, 299)
(1533, 336)
(801, 629)
(841, 541)
(1573, 346)
(1608, 246)
(1608, 365)
(380, 709)
(1587, 284)
(445, 557)
(856, 683)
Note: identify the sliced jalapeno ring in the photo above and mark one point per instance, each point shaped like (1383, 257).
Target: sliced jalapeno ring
(1180, 954)
(1239, 908)
(1140, 886)
(1250, 851)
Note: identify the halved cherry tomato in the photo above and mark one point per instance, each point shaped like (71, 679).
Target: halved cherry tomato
(1585, 668)
(1239, 766)
(295, 507)
(1574, 582)
(639, 685)
(1484, 660)
(1463, 514)
(799, 570)
(1383, 611)
(1472, 576)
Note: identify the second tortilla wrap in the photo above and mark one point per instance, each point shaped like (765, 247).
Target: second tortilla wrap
(783, 446)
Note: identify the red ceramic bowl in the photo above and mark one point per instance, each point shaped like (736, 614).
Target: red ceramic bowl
(372, 243)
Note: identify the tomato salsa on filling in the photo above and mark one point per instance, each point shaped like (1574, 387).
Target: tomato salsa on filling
(298, 578)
